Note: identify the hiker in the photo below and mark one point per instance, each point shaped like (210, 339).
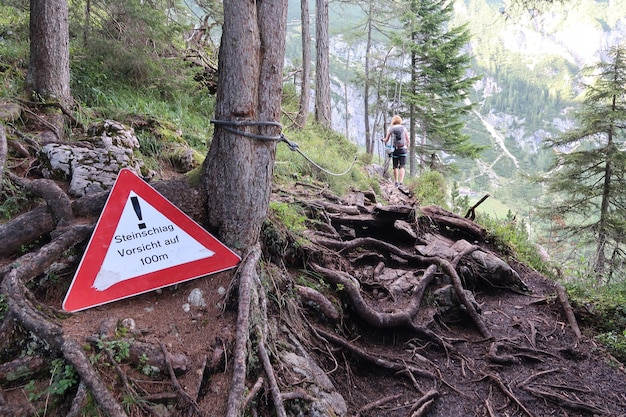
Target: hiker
(400, 141)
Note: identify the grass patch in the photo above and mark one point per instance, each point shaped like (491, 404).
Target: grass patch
(510, 237)
(603, 309)
(331, 160)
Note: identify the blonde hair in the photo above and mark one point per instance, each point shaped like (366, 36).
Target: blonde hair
(396, 120)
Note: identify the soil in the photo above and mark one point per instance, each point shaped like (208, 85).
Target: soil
(542, 368)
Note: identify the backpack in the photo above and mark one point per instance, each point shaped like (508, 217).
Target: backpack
(398, 137)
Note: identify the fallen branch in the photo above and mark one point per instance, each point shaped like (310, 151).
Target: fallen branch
(451, 220)
(471, 213)
(569, 313)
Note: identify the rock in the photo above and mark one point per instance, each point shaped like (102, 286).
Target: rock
(328, 401)
(92, 166)
(196, 298)
(9, 111)
(488, 268)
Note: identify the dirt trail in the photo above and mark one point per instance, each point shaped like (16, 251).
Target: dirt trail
(532, 365)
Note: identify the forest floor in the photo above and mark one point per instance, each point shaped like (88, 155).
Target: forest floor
(548, 367)
(532, 365)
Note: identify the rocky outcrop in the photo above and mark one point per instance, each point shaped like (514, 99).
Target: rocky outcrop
(91, 166)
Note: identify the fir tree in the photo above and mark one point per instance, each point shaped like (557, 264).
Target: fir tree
(587, 181)
(438, 96)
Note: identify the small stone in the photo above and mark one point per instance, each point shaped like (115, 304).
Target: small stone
(196, 298)
(129, 324)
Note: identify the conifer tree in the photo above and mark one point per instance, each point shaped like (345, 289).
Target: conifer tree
(587, 182)
(440, 86)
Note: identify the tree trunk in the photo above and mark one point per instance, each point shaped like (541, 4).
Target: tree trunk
(369, 143)
(600, 262)
(49, 67)
(305, 93)
(322, 70)
(237, 173)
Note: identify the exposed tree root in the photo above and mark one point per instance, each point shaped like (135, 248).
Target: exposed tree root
(311, 295)
(420, 408)
(261, 333)
(3, 152)
(507, 392)
(383, 363)
(385, 278)
(402, 317)
(32, 319)
(246, 274)
(179, 389)
(375, 404)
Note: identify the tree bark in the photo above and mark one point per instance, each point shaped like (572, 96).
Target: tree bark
(3, 152)
(305, 90)
(237, 172)
(49, 67)
(369, 143)
(322, 70)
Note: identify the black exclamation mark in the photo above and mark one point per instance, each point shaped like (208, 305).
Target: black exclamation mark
(137, 208)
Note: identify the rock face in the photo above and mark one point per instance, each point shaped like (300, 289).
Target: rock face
(92, 166)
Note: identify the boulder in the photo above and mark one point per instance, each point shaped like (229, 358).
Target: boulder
(91, 166)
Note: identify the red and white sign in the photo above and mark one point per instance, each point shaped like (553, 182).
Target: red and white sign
(142, 242)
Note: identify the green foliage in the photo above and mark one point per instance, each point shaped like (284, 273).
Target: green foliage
(119, 348)
(290, 215)
(615, 342)
(329, 150)
(429, 188)
(145, 368)
(460, 204)
(13, 200)
(14, 47)
(439, 86)
(115, 75)
(510, 237)
(602, 308)
(62, 378)
(605, 305)
(587, 182)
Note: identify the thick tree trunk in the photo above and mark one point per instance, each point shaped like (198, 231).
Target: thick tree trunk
(237, 173)
(305, 93)
(322, 70)
(49, 67)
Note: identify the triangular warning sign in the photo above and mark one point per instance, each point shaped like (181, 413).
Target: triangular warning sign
(142, 242)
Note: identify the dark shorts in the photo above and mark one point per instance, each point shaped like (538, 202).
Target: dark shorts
(399, 157)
